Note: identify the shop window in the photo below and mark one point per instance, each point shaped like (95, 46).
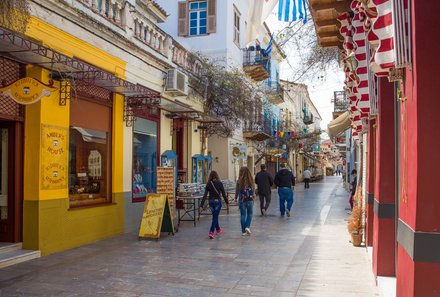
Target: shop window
(89, 154)
(145, 144)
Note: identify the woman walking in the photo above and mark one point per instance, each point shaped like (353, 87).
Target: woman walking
(245, 192)
(215, 188)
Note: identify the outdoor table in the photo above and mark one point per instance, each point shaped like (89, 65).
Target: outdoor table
(190, 209)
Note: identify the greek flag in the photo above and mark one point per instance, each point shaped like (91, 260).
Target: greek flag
(269, 46)
(292, 10)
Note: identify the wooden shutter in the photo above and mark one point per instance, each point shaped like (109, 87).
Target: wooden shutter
(183, 19)
(212, 9)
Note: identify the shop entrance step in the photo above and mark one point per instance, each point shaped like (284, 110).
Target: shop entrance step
(12, 253)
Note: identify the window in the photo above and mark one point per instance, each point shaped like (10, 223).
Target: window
(144, 158)
(89, 153)
(198, 12)
(236, 27)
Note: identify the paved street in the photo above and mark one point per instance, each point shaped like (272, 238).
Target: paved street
(306, 255)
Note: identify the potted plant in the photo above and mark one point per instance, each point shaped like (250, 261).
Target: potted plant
(355, 226)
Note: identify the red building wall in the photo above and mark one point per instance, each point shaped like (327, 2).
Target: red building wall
(384, 239)
(418, 272)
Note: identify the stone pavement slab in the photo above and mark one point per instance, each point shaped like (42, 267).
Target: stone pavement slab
(306, 255)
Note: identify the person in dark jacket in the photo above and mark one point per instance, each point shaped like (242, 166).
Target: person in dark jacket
(215, 188)
(264, 181)
(285, 181)
(353, 187)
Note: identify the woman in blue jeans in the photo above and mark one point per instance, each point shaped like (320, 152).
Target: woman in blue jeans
(245, 192)
(215, 188)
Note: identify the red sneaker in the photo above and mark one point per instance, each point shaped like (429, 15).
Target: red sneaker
(219, 231)
(211, 235)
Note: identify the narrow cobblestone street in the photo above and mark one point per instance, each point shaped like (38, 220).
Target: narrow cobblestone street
(308, 254)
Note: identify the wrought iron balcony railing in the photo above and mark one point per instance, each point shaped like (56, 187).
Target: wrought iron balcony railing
(256, 63)
(340, 101)
(308, 118)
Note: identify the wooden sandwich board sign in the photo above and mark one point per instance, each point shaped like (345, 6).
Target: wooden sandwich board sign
(156, 217)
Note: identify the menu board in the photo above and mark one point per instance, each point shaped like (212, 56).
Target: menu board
(165, 183)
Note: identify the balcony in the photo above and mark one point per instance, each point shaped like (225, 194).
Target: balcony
(274, 92)
(256, 63)
(341, 103)
(308, 118)
(254, 131)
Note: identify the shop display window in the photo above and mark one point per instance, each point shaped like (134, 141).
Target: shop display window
(89, 154)
(88, 166)
(144, 158)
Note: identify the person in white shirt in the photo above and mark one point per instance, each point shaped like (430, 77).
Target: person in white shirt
(307, 175)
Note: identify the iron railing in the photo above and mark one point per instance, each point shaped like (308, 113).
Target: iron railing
(341, 103)
(254, 57)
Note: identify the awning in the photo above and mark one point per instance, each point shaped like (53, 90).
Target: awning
(179, 109)
(311, 157)
(90, 135)
(338, 125)
(27, 51)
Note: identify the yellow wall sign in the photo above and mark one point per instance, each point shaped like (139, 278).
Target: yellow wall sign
(156, 217)
(27, 90)
(54, 157)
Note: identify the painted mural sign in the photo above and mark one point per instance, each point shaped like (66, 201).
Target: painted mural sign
(239, 151)
(27, 90)
(156, 217)
(165, 183)
(54, 157)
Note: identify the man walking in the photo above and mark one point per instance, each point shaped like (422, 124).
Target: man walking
(264, 181)
(285, 181)
(307, 175)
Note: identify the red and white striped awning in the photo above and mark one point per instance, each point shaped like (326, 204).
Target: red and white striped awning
(381, 37)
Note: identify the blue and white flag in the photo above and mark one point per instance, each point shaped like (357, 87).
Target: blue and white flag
(292, 10)
(269, 46)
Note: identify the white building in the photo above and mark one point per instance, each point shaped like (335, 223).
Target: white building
(217, 29)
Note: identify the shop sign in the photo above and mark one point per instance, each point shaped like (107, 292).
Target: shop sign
(156, 217)
(54, 157)
(27, 90)
(239, 151)
(165, 183)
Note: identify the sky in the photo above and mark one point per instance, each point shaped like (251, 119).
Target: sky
(321, 91)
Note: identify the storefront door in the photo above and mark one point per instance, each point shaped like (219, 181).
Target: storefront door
(6, 183)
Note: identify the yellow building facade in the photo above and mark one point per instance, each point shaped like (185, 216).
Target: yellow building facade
(69, 160)
(51, 222)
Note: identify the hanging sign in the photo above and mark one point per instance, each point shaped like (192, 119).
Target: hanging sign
(54, 157)
(156, 217)
(27, 90)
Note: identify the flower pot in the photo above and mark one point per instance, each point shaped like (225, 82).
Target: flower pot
(356, 239)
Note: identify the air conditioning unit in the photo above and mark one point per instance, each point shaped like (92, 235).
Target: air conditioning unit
(177, 83)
